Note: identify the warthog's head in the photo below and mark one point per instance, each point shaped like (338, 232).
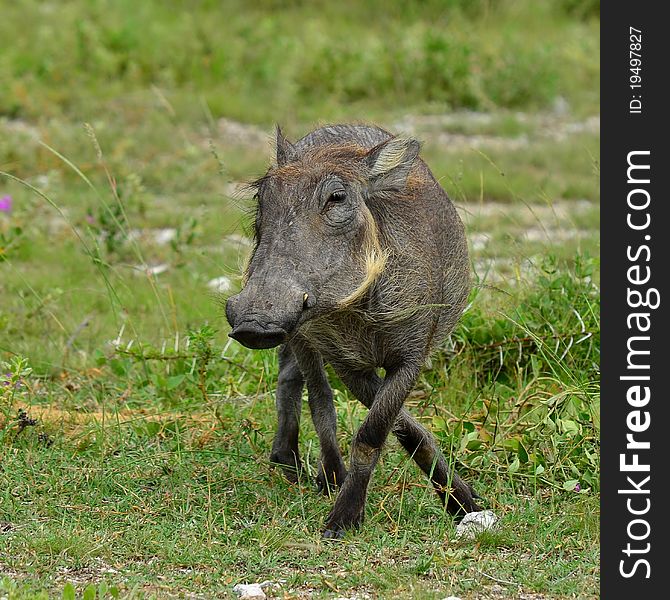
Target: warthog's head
(317, 244)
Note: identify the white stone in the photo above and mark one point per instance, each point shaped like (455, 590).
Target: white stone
(157, 269)
(219, 284)
(150, 269)
(164, 236)
(252, 591)
(474, 523)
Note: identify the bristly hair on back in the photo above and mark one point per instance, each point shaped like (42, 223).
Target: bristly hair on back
(343, 159)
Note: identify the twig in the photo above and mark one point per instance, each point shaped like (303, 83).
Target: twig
(525, 340)
(159, 356)
(503, 581)
(77, 331)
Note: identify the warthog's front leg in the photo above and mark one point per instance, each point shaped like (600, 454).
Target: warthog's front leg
(366, 448)
(419, 443)
(289, 404)
(331, 471)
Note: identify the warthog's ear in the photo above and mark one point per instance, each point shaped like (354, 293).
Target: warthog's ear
(390, 162)
(285, 148)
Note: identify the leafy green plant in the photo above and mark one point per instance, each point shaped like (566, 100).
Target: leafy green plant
(185, 235)
(108, 221)
(9, 241)
(91, 592)
(13, 376)
(537, 372)
(11, 233)
(12, 590)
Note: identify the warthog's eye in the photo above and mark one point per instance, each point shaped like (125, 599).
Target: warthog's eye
(337, 209)
(335, 198)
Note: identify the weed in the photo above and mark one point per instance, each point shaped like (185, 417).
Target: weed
(13, 375)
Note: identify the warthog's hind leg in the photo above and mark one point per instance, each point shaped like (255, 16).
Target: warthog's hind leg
(422, 447)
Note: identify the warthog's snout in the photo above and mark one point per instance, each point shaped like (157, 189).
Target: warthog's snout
(253, 334)
(261, 320)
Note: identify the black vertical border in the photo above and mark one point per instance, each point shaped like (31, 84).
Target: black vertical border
(621, 133)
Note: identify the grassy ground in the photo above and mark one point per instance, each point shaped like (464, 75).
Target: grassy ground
(134, 436)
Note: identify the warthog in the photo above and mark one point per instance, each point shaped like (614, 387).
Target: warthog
(360, 261)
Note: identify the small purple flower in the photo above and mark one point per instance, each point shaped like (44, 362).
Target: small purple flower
(6, 381)
(578, 487)
(6, 204)
(90, 219)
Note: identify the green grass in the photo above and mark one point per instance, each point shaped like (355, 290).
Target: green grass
(149, 472)
(134, 436)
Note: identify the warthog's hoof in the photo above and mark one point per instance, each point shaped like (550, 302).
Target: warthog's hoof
(341, 520)
(461, 500)
(333, 534)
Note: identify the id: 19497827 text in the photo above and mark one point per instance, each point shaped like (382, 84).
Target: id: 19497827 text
(635, 66)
